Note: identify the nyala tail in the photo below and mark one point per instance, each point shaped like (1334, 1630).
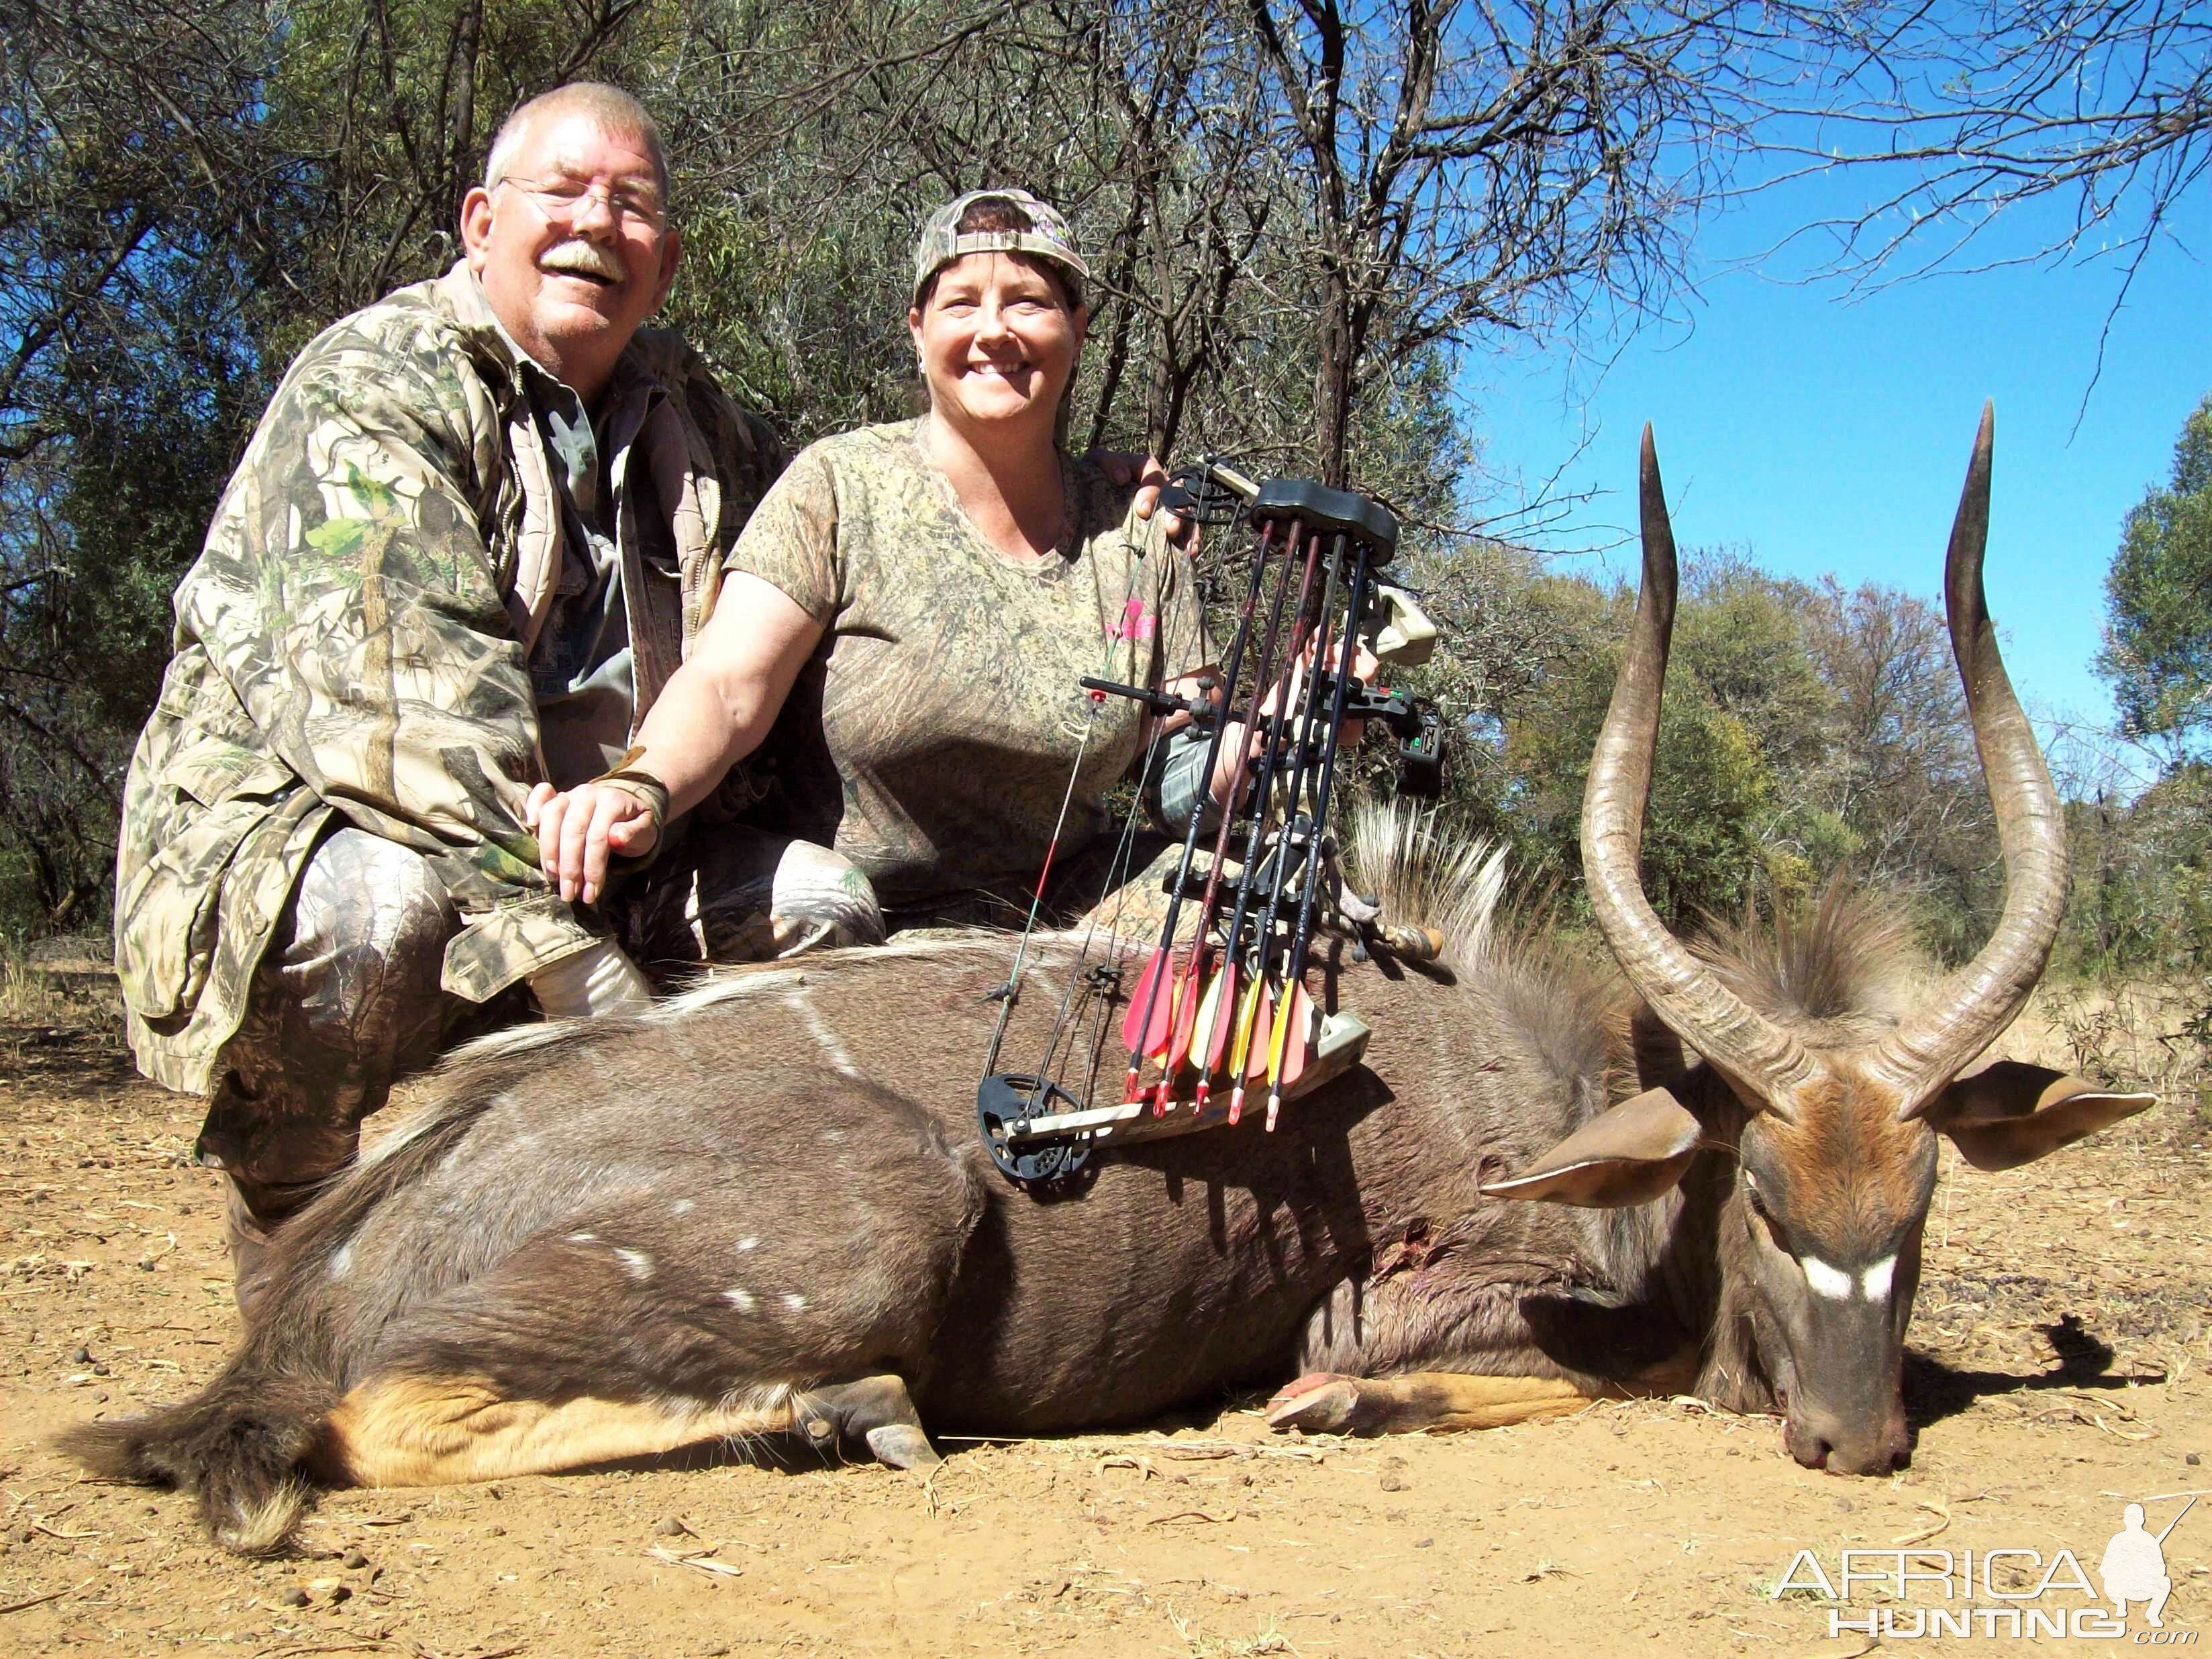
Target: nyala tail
(237, 1447)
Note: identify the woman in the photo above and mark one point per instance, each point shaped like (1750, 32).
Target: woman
(901, 629)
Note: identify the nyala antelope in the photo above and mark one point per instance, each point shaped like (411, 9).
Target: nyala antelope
(762, 1209)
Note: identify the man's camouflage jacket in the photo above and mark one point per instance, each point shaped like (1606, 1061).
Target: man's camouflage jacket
(353, 642)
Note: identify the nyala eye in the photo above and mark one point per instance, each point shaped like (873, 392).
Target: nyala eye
(1764, 1213)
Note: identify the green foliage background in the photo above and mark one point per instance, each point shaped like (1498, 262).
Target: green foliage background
(187, 195)
(2158, 644)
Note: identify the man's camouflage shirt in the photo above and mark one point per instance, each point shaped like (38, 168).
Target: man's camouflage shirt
(353, 642)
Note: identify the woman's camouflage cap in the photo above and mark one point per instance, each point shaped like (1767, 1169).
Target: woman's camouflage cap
(1048, 238)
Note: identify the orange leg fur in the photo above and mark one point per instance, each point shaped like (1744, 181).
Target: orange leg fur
(432, 1432)
(1444, 1401)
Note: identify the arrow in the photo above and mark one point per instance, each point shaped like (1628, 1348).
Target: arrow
(1149, 984)
(1247, 1055)
(1186, 1000)
(1144, 1027)
(1287, 1061)
(1216, 1013)
(1301, 935)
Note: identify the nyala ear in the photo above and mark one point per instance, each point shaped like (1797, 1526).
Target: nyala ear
(1628, 1154)
(2010, 1113)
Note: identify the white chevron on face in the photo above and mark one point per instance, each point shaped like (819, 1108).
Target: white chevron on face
(1831, 1282)
(1875, 1281)
(1837, 1285)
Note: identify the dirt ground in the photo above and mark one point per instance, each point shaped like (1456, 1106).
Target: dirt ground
(2061, 1348)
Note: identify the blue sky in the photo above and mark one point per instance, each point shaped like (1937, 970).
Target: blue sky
(1826, 433)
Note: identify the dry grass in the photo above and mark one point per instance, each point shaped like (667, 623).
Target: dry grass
(2137, 1035)
(32, 991)
(26, 996)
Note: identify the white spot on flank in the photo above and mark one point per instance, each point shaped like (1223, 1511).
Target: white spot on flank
(749, 1242)
(741, 1300)
(795, 1302)
(342, 1260)
(583, 1238)
(636, 1263)
(1831, 1282)
(682, 1206)
(1875, 1281)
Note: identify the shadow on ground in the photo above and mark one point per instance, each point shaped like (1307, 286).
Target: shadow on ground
(1934, 1390)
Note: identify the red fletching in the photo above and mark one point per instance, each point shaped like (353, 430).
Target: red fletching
(1144, 1027)
(1186, 1013)
(1178, 1046)
(1263, 1028)
(1297, 1026)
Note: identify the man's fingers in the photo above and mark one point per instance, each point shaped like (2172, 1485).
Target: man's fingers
(1146, 473)
(1150, 478)
(1182, 532)
(539, 794)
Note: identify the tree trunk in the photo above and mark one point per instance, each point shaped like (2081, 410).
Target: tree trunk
(1340, 353)
(470, 26)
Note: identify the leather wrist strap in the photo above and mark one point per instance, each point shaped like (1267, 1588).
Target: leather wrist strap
(636, 780)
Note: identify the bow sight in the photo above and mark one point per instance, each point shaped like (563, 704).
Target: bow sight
(1230, 1011)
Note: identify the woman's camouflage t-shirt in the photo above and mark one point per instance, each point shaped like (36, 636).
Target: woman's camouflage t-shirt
(930, 738)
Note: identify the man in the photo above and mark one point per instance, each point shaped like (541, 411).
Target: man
(472, 537)
(2134, 1568)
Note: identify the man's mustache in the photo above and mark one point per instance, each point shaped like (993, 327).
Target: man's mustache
(583, 258)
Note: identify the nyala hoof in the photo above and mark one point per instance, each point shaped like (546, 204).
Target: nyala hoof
(1317, 1403)
(903, 1446)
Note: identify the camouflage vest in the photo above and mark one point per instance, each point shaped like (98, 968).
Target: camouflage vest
(354, 638)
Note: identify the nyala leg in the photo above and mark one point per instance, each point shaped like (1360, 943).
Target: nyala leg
(876, 1413)
(1323, 1403)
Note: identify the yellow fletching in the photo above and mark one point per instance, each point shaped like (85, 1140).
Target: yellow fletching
(1240, 1046)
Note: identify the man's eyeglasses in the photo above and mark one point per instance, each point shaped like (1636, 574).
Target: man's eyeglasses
(564, 198)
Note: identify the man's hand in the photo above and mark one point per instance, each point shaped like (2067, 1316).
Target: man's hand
(580, 829)
(1145, 471)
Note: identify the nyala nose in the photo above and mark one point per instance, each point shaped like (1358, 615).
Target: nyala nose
(1829, 1444)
